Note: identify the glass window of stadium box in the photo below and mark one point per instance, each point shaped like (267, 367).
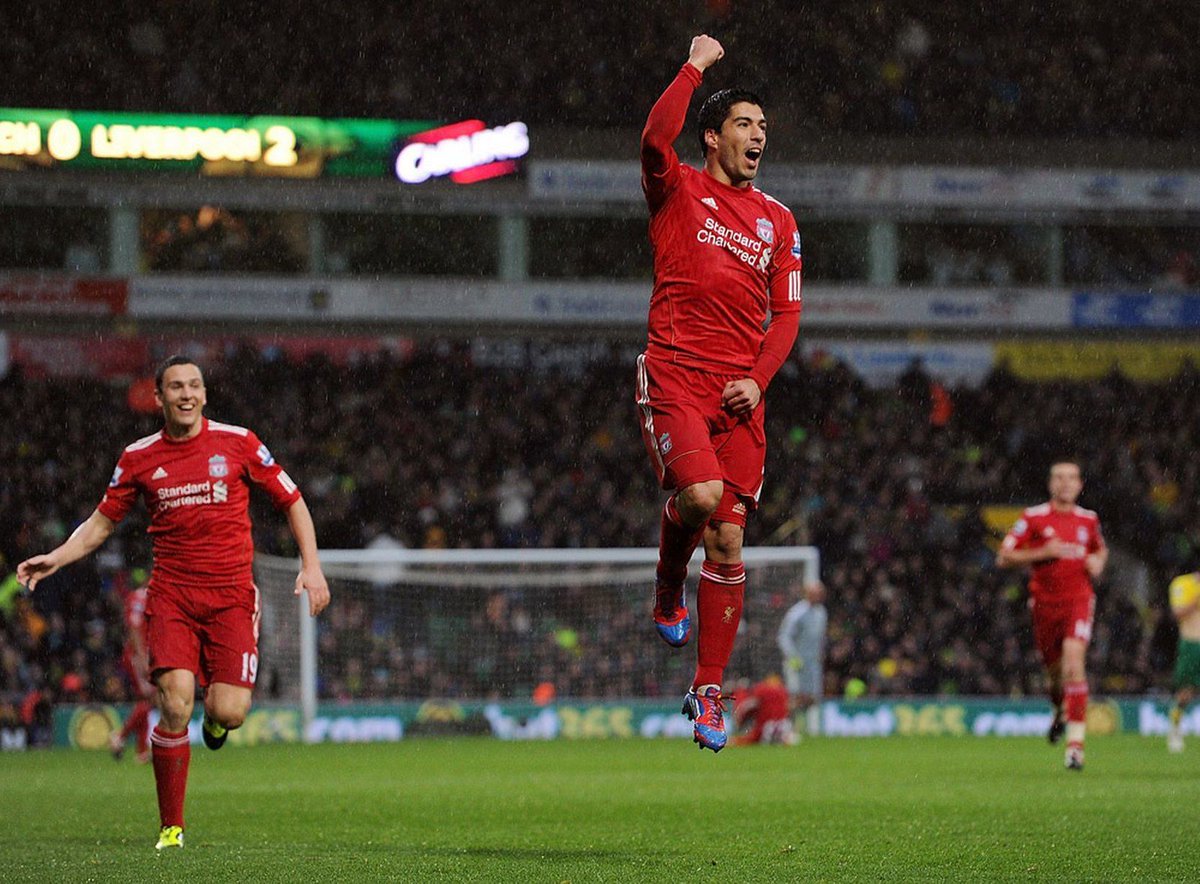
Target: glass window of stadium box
(582, 248)
(975, 254)
(54, 238)
(1159, 257)
(211, 239)
(410, 245)
(834, 251)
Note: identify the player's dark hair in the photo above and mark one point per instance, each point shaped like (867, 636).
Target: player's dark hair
(1073, 461)
(715, 110)
(177, 359)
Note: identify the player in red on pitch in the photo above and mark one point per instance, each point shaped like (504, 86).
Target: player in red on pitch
(135, 663)
(725, 254)
(202, 611)
(1064, 548)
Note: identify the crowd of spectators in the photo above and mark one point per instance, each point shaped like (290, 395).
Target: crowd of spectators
(534, 444)
(215, 240)
(862, 66)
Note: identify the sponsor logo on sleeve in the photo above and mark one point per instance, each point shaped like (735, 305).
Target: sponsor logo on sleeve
(796, 244)
(265, 456)
(116, 477)
(217, 466)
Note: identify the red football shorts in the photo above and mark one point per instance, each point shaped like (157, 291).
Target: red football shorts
(691, 438)
(213, 634)
(1062, 620)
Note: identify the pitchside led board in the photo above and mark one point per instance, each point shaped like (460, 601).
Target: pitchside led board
(410, 151)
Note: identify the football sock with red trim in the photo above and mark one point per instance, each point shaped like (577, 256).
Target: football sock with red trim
(171, 754)
(719, 603)
(677, 542)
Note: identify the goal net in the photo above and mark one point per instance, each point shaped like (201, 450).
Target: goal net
(497, 624)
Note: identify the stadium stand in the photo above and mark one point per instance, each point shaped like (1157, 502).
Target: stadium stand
(1069, 69)
(520, 458)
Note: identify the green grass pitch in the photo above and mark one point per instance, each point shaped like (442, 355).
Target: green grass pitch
(908, 809)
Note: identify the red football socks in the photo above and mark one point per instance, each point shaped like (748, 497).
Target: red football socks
(171, 753)
(719, 602)
(136, 724)
(1076, 693)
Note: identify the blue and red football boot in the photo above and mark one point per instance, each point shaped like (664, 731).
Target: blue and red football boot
(707, 711)
(671, 615)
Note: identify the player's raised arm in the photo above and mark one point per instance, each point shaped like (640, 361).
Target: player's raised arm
(85, 539)
(659, 160)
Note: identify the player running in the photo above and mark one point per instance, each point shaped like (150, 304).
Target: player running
(202, 612)
(1063, 546)
(725, 254)
(1185, 605)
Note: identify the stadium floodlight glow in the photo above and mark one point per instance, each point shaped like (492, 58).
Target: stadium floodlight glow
(467, 152)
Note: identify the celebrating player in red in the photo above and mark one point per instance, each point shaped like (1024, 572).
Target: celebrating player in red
(1063, 546)
(202, 612)
(725, 254)
(136, 664)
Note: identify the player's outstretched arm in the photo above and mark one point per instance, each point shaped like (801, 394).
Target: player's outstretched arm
(85, 539)
(311, 578)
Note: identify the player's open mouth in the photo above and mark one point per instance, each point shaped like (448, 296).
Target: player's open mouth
(754, 154)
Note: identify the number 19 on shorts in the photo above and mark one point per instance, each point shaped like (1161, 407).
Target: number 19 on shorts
(249, 667)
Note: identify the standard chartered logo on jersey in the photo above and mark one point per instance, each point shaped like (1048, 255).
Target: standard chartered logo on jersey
(192, 494)
(745, 248)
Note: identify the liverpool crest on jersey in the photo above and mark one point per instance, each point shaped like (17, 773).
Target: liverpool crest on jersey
(766, 230)
(217, 467)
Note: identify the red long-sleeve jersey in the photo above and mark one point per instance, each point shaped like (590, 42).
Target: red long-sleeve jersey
(723, 256)
(197, 492)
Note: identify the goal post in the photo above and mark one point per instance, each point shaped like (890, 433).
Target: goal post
(499, 624)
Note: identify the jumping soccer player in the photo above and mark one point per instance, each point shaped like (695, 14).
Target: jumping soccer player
(1063, 546)
(1185, 605)
(136, 666)
(725, 254)
(202, 607)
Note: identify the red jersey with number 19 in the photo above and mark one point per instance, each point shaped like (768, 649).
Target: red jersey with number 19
(197, 492)
(723, 255)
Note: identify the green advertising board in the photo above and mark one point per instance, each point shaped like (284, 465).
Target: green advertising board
(88, 727)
